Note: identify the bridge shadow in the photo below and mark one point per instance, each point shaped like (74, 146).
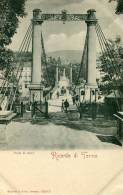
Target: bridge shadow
(106, 130)
(56, 118)
(73, 122)
(99, 125)
(45, 133)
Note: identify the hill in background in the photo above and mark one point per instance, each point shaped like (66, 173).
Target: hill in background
(67, 56)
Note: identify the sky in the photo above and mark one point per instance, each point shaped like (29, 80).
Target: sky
(71, 35)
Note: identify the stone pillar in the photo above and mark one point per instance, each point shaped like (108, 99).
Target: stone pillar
(36, 48)
(91, 49)
(36, 73)
(71, 74)
(64, 74)
(57, 74)
(91, 83)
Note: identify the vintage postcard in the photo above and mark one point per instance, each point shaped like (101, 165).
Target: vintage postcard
(61, 97)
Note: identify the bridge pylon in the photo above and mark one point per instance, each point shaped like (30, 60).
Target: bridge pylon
(36, 88)
(57, 75)
(91, 48)
(91, 84)
(71, 74)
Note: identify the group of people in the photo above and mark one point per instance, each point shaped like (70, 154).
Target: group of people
(62, 93)
(76, 100)
(65, 105)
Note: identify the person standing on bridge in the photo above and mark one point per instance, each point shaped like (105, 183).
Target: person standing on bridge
(57, 94)
(66, 105)
(73, 99)
(77, 100)
(62, 106)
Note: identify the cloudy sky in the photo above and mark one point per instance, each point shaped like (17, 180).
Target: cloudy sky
(69, 36)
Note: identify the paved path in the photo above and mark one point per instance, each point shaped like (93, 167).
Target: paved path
(60, 131)
(55, 104)
(50, 136)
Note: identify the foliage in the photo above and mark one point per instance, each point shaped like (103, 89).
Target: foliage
(49, 79)
(49, 71)
(6, 58)
(111, 66)
(119, 8)
(10, 12)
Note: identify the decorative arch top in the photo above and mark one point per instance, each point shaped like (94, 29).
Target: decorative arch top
(38, 16)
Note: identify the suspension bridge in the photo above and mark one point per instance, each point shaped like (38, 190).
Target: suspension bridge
(44, 100)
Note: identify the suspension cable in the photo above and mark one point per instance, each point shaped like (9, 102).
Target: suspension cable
(109, 51)
(82, 61)
(83, 56)
(10, 78)
(45, 60)
(26, 49)
(105, 62)
(25, 38)
(102, 44)
(26, 44)
(11, 67)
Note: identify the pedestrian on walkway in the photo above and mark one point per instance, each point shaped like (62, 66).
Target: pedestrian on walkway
(81, 109)
(22, 109)
(77, 100)
(73, 99)
(57, 94)
(62, 106)
(66, 105)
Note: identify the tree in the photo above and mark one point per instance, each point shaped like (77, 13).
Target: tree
(10, 12)
(111, 66)
(6, 58)
(49, 70)
(119, 8)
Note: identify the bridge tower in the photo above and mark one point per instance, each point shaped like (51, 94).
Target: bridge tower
(91, 84)
(38, 18)
(57, 75)
(36, 88)
(91, 48)
(71, 74)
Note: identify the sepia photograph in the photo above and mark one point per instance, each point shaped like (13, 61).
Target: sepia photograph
(61, 97)
(61, 71)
